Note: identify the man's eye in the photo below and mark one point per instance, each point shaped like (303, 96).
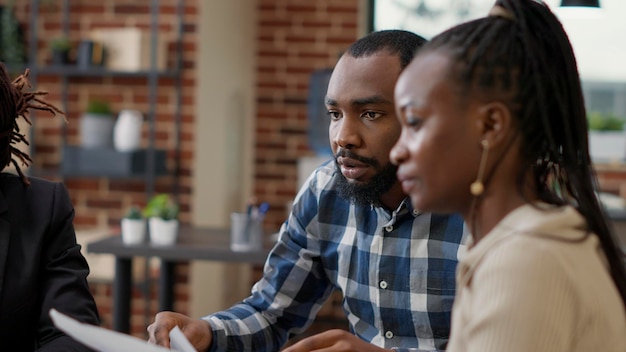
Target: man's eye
(334, 115)
(372, 115)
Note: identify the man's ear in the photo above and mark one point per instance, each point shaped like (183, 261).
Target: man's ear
(494, 122)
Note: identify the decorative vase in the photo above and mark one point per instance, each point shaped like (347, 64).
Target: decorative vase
(127, 131)
(60, 57)
(133, 231)
(607, 146)
(163, 232)
(96, 130)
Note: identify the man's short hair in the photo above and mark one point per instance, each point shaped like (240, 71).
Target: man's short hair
(398, 42)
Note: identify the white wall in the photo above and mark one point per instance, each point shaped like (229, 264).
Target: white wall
(598, 40)
(225, 116)
(597, 37)
(223, 160)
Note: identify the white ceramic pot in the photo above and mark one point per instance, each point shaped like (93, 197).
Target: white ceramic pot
(127, 131)
(163, 232)
(96, 130)
(607, 146)
(133, 231)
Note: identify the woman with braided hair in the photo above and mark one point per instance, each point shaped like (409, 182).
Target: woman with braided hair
(494, 128)
(41, 266)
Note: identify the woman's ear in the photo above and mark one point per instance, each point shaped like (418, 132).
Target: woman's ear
(494, 122)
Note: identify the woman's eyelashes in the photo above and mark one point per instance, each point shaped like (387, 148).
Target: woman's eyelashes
(413, 121)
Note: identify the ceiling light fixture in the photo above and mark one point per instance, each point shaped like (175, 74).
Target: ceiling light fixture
(579, 10)
(580, 3)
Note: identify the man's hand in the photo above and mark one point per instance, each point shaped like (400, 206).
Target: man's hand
(336, 340)
(197, 331)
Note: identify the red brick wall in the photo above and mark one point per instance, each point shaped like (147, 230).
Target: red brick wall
(294, 37)
(98, 201)
(101, 202)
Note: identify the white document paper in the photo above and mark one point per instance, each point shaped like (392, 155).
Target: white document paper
(179, 342)
(104, 340)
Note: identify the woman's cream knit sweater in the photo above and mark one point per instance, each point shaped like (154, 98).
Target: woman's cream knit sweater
(531, 285)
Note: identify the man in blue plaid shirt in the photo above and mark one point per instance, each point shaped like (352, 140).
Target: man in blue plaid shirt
(351, 229)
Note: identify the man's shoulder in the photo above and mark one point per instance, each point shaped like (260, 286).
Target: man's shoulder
(327, 169)
(323, 177)
(11, 178)
(11, 183)
(318, 195)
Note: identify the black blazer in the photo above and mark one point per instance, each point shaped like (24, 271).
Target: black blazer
(41, 266)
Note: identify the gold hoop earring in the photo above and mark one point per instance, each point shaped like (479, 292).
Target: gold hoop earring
(477, 187)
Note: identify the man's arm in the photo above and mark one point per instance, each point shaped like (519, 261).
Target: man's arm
(284, 301)
(336, 340)
(197, 331)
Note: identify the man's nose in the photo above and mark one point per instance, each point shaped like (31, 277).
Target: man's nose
(347, 133)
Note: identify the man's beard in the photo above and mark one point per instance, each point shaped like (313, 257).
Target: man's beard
(370, 192)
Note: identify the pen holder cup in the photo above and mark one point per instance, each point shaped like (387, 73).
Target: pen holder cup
(246, 232)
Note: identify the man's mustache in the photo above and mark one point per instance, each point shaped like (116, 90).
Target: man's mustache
(349, 154)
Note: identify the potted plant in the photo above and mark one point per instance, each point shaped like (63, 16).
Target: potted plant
(96, 125)
(162, 214)
(607, 139)
(60, 48)
(133, 226)
(12, 50)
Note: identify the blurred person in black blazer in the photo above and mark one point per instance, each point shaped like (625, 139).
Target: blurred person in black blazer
(41, 266)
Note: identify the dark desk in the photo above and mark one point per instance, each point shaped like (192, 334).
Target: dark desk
(192, 244)
(196, 244)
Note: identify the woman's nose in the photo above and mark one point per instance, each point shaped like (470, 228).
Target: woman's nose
(398, 153)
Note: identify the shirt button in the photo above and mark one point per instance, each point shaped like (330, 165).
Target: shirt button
(416, 212)
(389, 334)
(389, 228)
(383, 284)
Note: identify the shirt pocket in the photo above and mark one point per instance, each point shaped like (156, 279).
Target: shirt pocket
(433, 282)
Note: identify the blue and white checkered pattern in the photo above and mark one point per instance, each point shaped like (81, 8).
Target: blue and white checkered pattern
(396, 271)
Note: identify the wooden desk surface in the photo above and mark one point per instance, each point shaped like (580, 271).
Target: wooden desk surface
(193, 244)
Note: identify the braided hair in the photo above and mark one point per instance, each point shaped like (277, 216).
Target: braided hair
(521, 55)
(16, 103)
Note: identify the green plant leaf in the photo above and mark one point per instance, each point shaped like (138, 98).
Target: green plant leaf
(12, 49)
(605, 122)
(161, 206)
(99, 107)
(134, 213)
(60, 44)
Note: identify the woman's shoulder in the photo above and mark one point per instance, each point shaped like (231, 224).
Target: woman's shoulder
(543, 259)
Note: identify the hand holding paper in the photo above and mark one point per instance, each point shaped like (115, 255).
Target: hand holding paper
(104, 340)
